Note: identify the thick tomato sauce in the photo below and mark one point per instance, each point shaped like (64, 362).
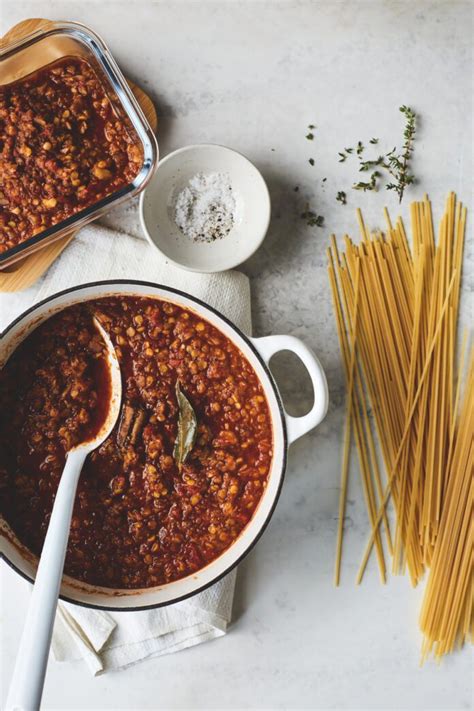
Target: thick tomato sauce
(62, 148)
(139, 519)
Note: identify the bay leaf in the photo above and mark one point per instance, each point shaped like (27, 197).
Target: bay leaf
(187, 428)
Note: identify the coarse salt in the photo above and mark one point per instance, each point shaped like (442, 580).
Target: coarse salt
(205, 208)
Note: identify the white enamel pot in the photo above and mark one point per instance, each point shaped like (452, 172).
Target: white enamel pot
(286, 429)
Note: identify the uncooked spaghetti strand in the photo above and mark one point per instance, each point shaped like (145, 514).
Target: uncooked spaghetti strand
(347, 442)
(392, 417)
(436, 406)
(446, 385)
(359, 434)
(468, 616)
(446, 544)
(404, 296)
(360, 440)
(348, 297)
(364, 347)
(451, 619)
(373, 371)
(411, 535)
(388, 220)
(428, 216)
(452, 323)
(392, 296)
(456, 397)
(363, 229)
(460, 229)
(411, 496)
(368, 374)
(385, 366)
(394, 469)
(459, 250)
(427, 502)
(441, 617)
(436, 596)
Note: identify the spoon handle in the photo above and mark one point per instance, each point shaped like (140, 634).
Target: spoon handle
(26, 687)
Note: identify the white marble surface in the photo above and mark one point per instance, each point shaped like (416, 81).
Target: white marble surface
(252, 75)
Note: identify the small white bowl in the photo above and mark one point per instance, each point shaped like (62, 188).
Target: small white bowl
(252, 211)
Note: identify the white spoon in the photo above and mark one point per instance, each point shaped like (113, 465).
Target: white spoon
(26, 686)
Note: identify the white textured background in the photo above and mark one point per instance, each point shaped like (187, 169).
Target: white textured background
(252, 75)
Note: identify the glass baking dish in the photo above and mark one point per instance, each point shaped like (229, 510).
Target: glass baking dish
(65, 39)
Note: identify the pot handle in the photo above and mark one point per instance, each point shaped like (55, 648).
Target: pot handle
(298, 426)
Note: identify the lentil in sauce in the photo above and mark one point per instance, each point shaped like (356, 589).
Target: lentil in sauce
(62, 148)
(139, 519)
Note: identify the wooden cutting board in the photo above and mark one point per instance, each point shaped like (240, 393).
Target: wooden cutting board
(25, 272)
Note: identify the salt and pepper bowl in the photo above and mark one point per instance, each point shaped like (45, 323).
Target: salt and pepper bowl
(251, 215)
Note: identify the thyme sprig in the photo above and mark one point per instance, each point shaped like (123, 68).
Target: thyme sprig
(393, 164)
(400, 164)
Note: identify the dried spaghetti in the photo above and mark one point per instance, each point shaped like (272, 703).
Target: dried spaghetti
(396, 311)
(446, 613)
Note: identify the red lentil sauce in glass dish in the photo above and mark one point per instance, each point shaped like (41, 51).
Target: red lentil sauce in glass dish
(142, 516)
(62, 148)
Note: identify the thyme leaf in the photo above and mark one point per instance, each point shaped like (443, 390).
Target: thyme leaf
(341, 197)
(371, 185)
(312, 219)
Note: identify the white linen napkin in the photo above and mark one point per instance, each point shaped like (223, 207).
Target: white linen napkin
(117, 640)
